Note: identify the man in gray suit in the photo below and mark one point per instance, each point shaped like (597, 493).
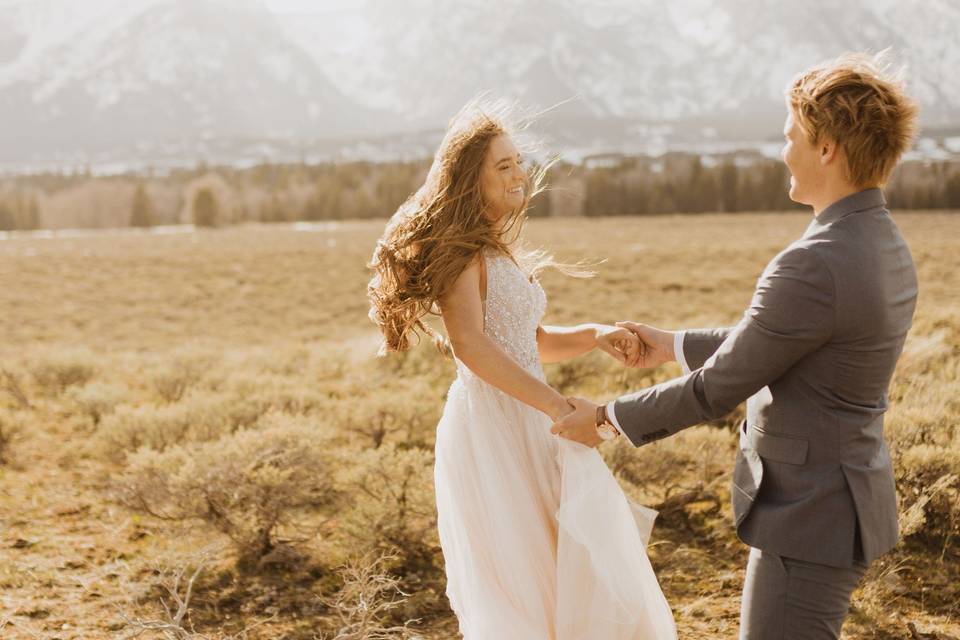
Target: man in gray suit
(813, 490)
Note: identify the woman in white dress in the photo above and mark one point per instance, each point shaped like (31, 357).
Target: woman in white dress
(539, 541)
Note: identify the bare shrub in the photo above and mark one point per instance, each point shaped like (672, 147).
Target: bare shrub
(150, 426)
(929, 486)
(11, 425)
(271, 391)
(399, 412)
(925, 464)
(97, 399)
(198, 418)
(55, 370)
(925, 438)
(387, 401)
(171, 383)
(175, 622)
(284, 360)
(245, 485)
(688, 463)
(366, 604)
(924, 354)
(12, 385)
(427, 365)
(393, 508)
(173, 379)
(175, 602)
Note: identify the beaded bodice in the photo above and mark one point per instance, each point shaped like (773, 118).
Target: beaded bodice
(513, 310)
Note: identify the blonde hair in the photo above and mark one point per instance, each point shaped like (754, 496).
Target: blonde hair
(860, 104)
(441, 228)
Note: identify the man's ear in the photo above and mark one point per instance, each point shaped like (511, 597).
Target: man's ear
(829, 151)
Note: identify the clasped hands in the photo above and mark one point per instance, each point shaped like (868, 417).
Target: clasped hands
(620, 343)
(579, 423)
(636, 345)
(633, 344)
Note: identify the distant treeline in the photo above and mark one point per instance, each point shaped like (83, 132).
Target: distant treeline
(600, 186)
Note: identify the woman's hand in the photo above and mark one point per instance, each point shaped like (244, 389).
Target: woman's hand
(560, 406)
(620, 343)
(657, 344)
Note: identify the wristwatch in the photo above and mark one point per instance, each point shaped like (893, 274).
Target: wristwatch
(605, 428)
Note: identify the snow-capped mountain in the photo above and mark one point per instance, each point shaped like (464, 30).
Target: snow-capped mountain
(636, 59)
(78, 78)
(81, 82)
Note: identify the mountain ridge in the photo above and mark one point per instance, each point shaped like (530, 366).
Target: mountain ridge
(88, 82)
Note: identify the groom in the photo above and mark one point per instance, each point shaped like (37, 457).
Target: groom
(813, 490)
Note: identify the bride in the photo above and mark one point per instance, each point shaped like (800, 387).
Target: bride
(539, 541)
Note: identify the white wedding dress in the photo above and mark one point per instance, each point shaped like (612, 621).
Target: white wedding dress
(539, 540)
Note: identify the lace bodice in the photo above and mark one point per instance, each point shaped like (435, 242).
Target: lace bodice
(512, 313)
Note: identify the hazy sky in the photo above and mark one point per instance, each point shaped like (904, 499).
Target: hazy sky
(298, 6)
(279, 6)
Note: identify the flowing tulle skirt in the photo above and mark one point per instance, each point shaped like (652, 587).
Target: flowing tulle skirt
(540, 542)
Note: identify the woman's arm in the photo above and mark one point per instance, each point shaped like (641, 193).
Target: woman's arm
(462, 314)
(562, 343)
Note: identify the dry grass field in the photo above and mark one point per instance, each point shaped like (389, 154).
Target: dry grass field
(197, 441)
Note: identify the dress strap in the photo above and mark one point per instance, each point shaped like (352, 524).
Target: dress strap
(483, 289)
(483, 277)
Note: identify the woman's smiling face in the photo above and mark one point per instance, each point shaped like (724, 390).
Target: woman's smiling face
(503, 180)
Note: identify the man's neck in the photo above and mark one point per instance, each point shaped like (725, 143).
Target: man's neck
(836, 194)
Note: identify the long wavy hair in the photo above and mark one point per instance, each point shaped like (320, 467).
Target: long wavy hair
(440, 229)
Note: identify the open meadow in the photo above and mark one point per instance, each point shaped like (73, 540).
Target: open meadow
(196, 439)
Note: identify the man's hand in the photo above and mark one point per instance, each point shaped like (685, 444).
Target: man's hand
(579, 425)
(658, 345)
(623, 345)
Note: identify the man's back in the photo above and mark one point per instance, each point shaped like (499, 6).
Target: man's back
(830, 404)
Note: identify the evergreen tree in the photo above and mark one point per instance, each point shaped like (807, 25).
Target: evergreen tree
(951, 191)
(702, 193)
(729, 187)
(312, 208)
(30, 214)
(272, 210)
(141, 214)
(7, 221)
(775, 189)
(206, 209)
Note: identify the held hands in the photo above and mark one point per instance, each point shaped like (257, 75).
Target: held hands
(634, 345)
(656, 345)
(623, 345)
(559, 407)
(579, 425)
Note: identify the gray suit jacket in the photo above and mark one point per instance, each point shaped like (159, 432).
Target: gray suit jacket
(814, 355)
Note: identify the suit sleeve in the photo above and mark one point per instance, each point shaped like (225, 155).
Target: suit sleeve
(700, 344)
(791, 315)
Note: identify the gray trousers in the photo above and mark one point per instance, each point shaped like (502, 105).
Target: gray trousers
(786, 599)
